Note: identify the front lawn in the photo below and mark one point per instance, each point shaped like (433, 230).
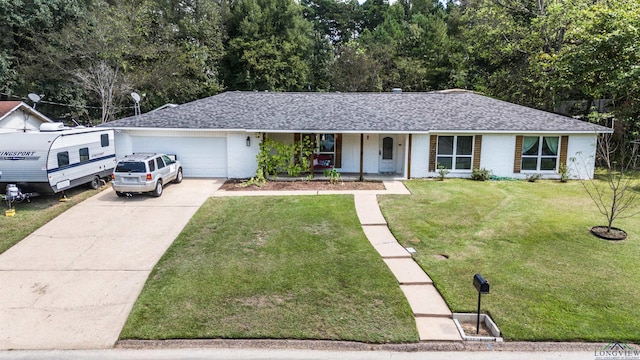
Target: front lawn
(550, 278)
(273, 267)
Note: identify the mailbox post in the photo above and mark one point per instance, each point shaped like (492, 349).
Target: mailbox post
(482, 286)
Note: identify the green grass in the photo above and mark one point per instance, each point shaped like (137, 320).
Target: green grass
(31, 215)
(273, 267)
(550, 278)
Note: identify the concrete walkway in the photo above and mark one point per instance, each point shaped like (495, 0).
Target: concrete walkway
(434, 320)
(72, 283)
(433, 317)
(391, 187)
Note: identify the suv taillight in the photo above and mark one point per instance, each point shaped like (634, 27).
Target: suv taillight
(149, 178)
(113, 176)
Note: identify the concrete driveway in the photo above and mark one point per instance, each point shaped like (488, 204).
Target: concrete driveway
(72, 283)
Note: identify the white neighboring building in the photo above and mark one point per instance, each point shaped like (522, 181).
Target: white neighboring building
(18, 116)
(407, 135)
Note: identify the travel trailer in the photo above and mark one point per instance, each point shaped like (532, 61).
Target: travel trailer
(56, 158)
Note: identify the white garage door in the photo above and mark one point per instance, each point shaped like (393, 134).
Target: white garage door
(200, 157)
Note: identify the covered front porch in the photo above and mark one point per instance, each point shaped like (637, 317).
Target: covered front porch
(356, 156)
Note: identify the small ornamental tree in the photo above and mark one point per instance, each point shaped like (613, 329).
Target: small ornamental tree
(614, 195)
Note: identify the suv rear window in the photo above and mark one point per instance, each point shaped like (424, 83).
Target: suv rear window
(131, 166)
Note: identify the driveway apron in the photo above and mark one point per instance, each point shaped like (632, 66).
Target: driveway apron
(72, 283)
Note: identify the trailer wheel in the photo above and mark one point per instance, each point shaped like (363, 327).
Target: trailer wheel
(158, 191)
(95, 183)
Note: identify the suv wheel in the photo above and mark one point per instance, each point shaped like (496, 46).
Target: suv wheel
(158, 190)
(178, 179)
(120, 194)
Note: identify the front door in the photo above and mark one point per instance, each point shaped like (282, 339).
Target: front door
(387, 154)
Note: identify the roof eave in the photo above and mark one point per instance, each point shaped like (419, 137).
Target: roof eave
(171, 129)
(334, 131)
(571, 132)
(10, 111)
(364, 131)
(33, 112)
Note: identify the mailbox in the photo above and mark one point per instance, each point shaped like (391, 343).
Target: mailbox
(481, 284)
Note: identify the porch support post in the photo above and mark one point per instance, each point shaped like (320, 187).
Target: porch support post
(361, 178)
(409, 156)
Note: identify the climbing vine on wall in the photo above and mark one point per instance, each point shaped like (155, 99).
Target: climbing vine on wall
(276, 157)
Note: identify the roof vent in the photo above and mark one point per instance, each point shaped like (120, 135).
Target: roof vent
(396, 90)
(55, 126)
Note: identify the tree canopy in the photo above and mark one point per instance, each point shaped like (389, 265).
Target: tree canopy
(87, 56)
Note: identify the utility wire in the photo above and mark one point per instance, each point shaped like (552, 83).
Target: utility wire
(61, 104)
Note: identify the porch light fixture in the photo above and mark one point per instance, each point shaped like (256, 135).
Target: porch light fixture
(248, 140)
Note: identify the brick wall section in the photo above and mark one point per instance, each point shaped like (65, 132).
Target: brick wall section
(433, 145)
(564, 146)
(517, 162)
(338, 145)
(477, 149)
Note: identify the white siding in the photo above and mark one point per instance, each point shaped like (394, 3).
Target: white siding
(401, 152)
(420, 156)
(218, 154)
(371, 156)
(16, 121)
(241, 159)
(350, 153)
(498, 156)
(123, 144)
(582, 149)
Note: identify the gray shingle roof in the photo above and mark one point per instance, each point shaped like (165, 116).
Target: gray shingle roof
(356, 112)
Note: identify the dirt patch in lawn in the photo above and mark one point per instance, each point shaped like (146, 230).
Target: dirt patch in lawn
(239, 185)
(470, 329)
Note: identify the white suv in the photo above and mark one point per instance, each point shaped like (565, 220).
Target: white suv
(145, 172)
